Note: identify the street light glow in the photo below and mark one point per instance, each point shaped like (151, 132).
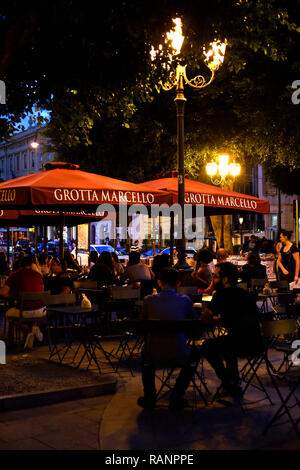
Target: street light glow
(215, 55)
(34, 145)
(223, 168)
(175, 35)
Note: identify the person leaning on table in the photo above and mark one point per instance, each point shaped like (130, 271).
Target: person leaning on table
(26, 279)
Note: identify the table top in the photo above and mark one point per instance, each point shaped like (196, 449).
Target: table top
(74, 309)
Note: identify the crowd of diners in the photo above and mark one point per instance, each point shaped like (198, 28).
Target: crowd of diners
(159, 284)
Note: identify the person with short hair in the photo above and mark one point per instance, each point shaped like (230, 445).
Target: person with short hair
(250, 245)
(135, 270)
(253, 269)
(167, 305)
(221, 255)
(135, 247)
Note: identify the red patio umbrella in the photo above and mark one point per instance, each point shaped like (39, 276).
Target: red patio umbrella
(62, 186)
(216, 200)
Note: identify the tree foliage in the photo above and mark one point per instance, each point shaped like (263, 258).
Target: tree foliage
(93, 71)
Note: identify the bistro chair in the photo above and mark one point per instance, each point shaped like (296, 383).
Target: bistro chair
(152, 327)
(112, 317)
(271, 331)
(191, 291)
(86, 284)
(60, 328)
(124, 293)
(287, 381)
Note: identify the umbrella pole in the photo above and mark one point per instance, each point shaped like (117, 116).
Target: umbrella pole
(61, 235)
(76, 241)
(35, 240)
(172, 239)
(45, 240)
(7, 241)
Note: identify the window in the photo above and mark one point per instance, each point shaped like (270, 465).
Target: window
(48, 156)
(18, 162)
(41, 157)
(32, 160)
(25, 161)
(274, 220)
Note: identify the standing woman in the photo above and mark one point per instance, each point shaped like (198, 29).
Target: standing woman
(288, 260)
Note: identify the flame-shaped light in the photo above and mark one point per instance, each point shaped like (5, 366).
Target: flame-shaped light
(175, 36)
(215, 55)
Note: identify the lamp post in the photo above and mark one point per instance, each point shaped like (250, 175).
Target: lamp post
(177, 79)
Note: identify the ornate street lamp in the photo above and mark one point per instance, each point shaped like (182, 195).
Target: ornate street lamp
(218, 172)
(177, 79)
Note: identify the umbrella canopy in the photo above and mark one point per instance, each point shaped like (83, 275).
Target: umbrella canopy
(215, 200)
(49, 218)
(62, 186)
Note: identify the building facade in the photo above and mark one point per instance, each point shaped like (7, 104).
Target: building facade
(19, 158)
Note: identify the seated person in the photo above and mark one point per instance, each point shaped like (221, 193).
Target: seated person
(26, 279)
(253, 269)
(167, 305)
(250, 245)
(103, 271)
(44, 264)
(59, 281)
(93, 257)
(236, 310)
(137, 271)
(160, 262)
(17, 261)
(72, 263)
(202, 276)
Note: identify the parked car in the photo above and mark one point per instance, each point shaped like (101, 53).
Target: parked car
(83, 255)
(190, 251)
(148, 253)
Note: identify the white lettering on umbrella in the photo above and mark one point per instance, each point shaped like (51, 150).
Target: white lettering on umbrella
(253, 204)
(58, 195)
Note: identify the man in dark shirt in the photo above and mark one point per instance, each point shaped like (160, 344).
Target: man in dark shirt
(236, 310)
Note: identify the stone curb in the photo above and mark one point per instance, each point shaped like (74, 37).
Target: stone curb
(34, 399)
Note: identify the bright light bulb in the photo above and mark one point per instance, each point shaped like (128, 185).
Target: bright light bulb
(223, 169)
(241, 220)
(34, 145)
(211, 168)
(175, 35)
(223, 159)
(234, 169)
(215, 55)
